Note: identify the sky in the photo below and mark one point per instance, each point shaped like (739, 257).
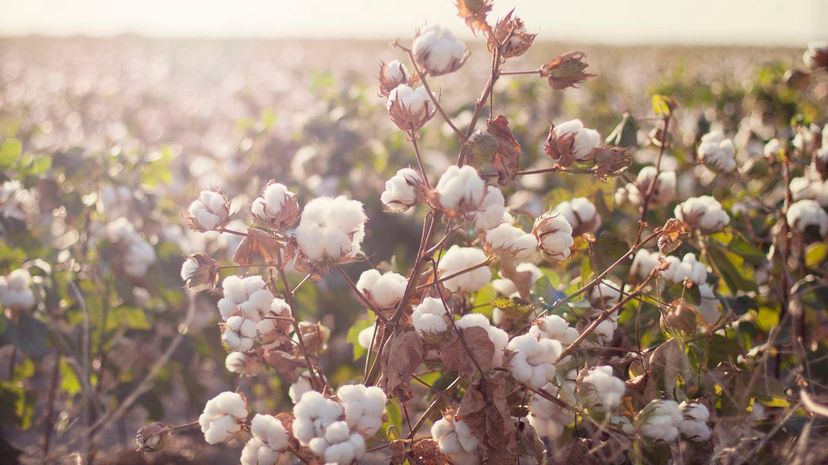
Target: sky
(771, 22)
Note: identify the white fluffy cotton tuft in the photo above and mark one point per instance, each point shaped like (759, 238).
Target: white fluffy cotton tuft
(223, 417)
(331, 229)
(457, 259)
(437, 51)
(716, 152)
(704, 213)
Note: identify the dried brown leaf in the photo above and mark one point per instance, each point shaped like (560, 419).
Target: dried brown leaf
(257, 245)
(506, 157)
(486, 411)
(402, 356)
(474, 12)
(457, 357)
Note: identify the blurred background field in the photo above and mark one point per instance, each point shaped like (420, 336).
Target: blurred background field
(134, 127)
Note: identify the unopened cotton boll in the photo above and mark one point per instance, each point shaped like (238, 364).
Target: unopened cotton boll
(644, 263)
(429, 317)
(223, 417)
(807, 213)
(600, 389)
(457, 259)
(492, 210)
(15, 290)
(497, 336)
(554, 234)
(277, 207)
(410, 108)
(270, 439)
(659, 420)
(331, 229)
(437, 51)
(553, 327)
(688, 268)
(401, 191)
(209, 211)
(533, 360)
(456, 440)
(716, 152)
(509, 241)
(461, 190)
(703, 213)
(581, 215)
(583, 140)
(364, 407)
(383, 290)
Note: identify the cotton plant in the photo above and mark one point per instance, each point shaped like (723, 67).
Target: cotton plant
(526, 314)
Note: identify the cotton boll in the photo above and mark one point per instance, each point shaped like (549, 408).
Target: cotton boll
(601, 390)
(553, 327)
(703, 213)
(814, 189)
(506, 287)
(716, 152)
(686, 269)
(383, 290)
(644, 263)
(429, 317)
(366, 336)
(709, 305)
(314, 413)
(461, 190)
(239, 333)
(492, 210)
(583, 140)
(15, 290)
(410, 108)
(210, 211)
(269, 441)
(17, 202)
(402, 190)
(455, 440)
(805, 213)
(817, 55)
(223, 417)
(331, 229)
(547, 417)
(659, 420)
(772, 148)
(276, 208)
(663, 192)
(509, 241)
(459, 258)
(139, 256)
(391, 75)
(554, 234)
(243, 364)
(581, 215)
(605, 294)
(694, 423)
(437, 51)
(533, 360)
(300, 388)
(497, 336)
(364, 407)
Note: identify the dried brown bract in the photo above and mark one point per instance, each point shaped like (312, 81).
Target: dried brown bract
(672, 234)
(506, 157)
(611, 161)
(474, 12)
(511, 36)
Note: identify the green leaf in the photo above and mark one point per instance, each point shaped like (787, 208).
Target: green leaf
(127, 317)
(28, 335)
(732, 269)
(10, 150)
(69, 382)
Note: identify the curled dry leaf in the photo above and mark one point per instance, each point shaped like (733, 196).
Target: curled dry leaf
(486, 410)
(474, 13)
(257, 245)
(457, 358)
(524, 280)
(401, 358)
(668, 365)
(285, 364)
(567, 70)
(506, 157)
(672, 234)
(611, 161)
